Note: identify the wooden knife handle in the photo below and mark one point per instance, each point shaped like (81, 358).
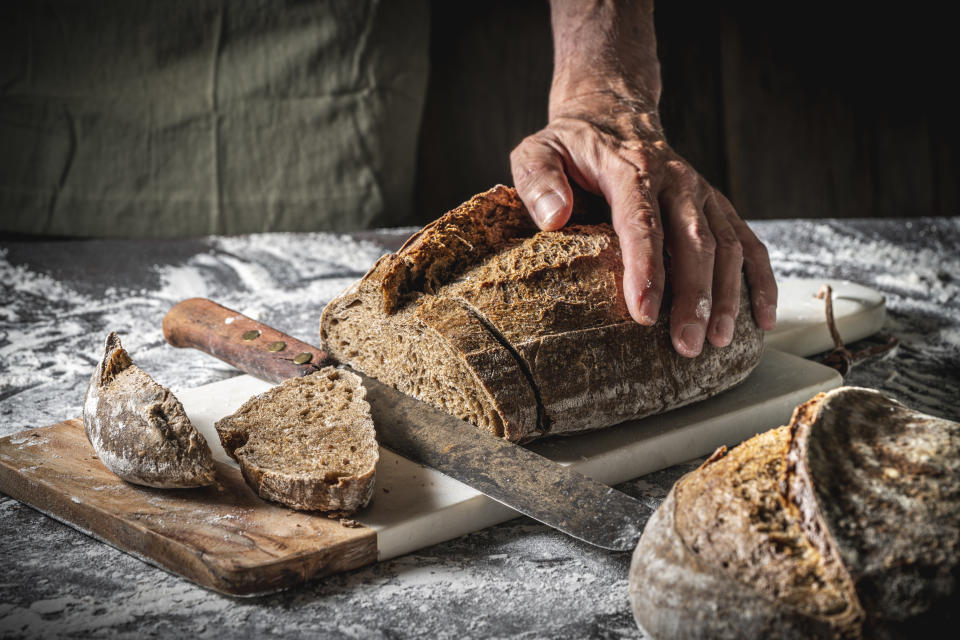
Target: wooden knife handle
(240, 341)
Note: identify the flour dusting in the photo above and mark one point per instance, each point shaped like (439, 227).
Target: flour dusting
(519, 579)
(51, 333)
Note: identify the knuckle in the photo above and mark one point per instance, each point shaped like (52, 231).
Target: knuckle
(641, 219)
(725, 204)
(683, 174)
(642, 223)
(535, 175)
(728, 243)
(698, 237)
(757, 251)
(534, 146)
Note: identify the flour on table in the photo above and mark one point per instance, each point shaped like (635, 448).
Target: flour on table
(51, 334)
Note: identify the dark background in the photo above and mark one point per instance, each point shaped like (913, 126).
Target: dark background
(793, 110)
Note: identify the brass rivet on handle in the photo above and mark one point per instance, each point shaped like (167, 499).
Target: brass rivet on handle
(251, 335)
(279, 345)
(303, 358)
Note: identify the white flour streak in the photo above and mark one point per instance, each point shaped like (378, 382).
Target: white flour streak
(51, 334)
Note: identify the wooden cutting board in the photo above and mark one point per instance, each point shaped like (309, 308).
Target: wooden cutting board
(223, 537)
(227, 539)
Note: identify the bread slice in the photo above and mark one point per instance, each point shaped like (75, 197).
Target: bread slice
(307, 443)
(846, 523)
(524, 333)
(138, 429)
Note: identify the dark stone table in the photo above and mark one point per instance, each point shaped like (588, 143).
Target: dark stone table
(60, 298)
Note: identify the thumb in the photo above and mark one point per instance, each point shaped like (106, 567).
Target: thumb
(537, 168)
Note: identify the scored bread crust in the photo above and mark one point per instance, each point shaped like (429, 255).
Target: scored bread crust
(888, 508)
(138, 429)
(524, 333)
(307, 443)
(803, 531)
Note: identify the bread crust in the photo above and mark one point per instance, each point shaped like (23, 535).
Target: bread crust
(138, 429)
(822, 542)
(888, 508)
(562, 353)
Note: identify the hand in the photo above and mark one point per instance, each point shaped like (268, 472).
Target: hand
(604, 132)
(614, 146)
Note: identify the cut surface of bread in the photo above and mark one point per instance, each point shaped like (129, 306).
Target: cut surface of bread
(823, 528)
(138, 429)
(522, 332)
(308, 443)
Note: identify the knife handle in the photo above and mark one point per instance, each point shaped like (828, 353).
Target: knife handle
(248, 345)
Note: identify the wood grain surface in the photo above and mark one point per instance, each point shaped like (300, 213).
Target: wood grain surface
(248, 345)
(222, 537)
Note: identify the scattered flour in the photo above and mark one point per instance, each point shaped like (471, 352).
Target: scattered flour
(503, 581)
(51, 334)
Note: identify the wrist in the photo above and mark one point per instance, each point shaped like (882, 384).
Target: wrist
(620, 113)
(605, 47)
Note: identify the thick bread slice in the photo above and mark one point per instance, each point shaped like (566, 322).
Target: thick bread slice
(818, 529)
(307, 443)
(561, 353)
(139, 429)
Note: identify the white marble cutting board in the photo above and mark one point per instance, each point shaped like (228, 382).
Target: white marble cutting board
(801, 324)
(415, 506)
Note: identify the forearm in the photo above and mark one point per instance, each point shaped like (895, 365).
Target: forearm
(604, 47)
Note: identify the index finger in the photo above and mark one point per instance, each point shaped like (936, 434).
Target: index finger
(636, 219)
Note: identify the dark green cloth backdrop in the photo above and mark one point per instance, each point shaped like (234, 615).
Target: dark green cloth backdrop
(177, 118)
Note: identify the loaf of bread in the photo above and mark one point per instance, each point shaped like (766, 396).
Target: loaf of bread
(846, 524)
(524, 333)
(139, 429)
(307, 443)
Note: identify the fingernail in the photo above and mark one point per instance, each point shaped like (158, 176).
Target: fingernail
(649, 309)
(548, 207)
(768, 315)
(691, 339)
(772, 316)
(723, 330)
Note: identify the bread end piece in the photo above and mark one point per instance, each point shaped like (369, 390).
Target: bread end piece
(308, 443)
(139, 430)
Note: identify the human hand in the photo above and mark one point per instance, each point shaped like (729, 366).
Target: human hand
(604, 132)
(614, 146)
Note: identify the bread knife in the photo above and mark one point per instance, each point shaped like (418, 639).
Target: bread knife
(509, 473)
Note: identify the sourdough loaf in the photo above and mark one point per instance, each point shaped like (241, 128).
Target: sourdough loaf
(846, 523)
(138, 429)
(307, 443)
(523, 332)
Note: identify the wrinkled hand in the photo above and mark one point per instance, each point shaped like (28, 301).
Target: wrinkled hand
(615, 147)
